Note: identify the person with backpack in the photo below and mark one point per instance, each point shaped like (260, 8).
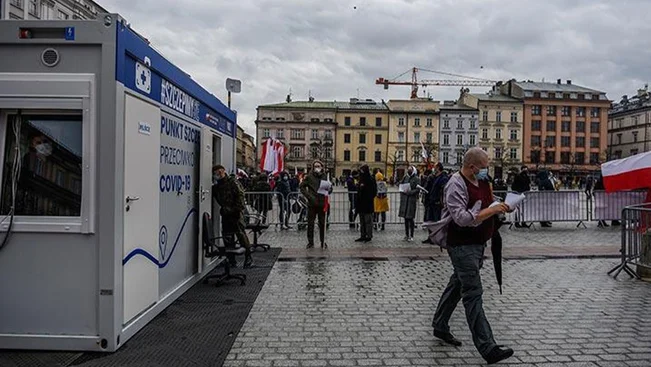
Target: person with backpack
(381, 201)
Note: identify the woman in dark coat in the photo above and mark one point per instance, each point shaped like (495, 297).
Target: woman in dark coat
(364, 205)
(409, 201)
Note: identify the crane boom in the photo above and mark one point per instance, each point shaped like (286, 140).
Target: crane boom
(415, 83)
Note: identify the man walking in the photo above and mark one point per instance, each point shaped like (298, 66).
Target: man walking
(316, 203)
(230, 197)
(467, 199)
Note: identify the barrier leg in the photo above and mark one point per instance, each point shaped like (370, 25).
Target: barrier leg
(581, 224)
(631, 272)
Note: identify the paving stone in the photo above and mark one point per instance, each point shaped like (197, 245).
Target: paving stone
(352, 312)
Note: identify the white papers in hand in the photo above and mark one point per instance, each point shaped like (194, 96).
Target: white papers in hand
(512, 200)
(404, 187)
(324, 188)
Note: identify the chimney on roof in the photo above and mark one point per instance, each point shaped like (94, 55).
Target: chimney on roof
(558, 81)
(569, 82)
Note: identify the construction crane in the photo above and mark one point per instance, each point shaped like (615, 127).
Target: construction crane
(468, 81)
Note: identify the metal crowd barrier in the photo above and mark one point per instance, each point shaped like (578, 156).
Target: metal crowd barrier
(265, 203)
(539, 206)
(636, 242)
(604, 206)
(342, 205)
(555, 206)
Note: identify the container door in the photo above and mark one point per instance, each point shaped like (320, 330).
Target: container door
(210, 156)
(141, 206)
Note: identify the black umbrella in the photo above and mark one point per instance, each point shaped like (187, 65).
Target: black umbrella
(496, 250)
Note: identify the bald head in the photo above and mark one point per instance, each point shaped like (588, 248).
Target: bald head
(475, 157)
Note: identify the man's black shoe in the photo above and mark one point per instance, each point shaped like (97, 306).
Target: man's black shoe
(367, 239)
(498, 354)
(248, 262)
(448, 338)
(361, 239)
(310, 245)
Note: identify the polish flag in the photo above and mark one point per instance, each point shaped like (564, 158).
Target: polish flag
(628, 174)
(273, 156)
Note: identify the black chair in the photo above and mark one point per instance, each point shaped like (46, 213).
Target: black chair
(228, 250)
(255, 222)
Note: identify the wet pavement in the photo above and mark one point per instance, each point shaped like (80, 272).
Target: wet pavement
(562, 240)
(335, 312)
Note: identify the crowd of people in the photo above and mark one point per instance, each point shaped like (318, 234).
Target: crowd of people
(460, 214)
(460, 204)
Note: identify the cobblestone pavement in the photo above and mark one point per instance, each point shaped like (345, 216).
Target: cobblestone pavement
(564, 312)
(562, 240)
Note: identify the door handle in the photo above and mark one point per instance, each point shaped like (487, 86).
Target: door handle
(204, 193)
(130, 199)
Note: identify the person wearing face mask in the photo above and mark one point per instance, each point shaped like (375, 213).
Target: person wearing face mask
(469, 219)
(282, 193)
(316, 203)
(409, 201)
(230, 197)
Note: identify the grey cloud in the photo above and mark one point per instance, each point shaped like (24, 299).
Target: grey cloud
(333, 49)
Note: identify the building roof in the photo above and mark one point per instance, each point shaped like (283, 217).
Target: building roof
(353, 104)
(494, 97)
(632, 104)
(555, 87)
(301, 104)
(361, 105)
(457, 107)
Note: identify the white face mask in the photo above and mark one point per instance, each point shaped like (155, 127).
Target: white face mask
(44, 149)
(317, 169)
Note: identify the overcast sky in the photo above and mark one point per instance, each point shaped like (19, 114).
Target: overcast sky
(337, 48)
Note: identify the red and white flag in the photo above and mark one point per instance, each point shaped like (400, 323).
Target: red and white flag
(628, 173)
(273, 156)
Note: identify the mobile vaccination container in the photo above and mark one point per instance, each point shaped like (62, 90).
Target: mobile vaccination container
(107, 149)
